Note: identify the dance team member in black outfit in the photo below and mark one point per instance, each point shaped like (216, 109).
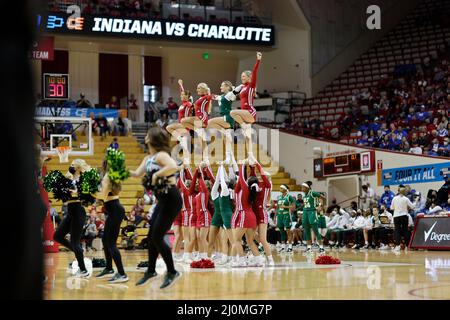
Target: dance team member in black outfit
(114, 172)
(75, 219)
(160, 169)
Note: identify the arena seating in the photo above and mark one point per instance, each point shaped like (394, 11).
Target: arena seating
(420, 35)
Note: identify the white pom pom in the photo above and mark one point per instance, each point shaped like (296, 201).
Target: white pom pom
(147, 199)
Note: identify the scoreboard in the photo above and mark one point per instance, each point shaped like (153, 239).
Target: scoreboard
(55, 86)
(342, 164)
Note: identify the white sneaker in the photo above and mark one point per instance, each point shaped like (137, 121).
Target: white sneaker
(397, 249)
(223, 261)
(259, 261)
(270, 262)
(243, 262)
(383, 247)
(82, 274)
(240, 262)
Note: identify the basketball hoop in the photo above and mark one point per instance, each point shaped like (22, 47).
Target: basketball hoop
(63, 153)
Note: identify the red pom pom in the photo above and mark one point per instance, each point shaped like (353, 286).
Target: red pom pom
(327, 260)
(203, 264)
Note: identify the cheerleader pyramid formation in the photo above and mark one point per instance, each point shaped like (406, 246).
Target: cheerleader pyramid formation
(212, 215)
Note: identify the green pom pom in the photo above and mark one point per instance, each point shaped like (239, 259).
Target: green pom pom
(89, 181)
(117, 170)
(57, 183)
(88, 184)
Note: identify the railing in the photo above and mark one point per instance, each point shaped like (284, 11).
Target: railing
(222, 11)
(217, 11)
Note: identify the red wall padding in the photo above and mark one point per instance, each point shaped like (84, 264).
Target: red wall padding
(113, 77)
(153, 71)
(60, 63)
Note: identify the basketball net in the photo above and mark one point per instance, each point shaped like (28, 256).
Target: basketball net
(63, 154)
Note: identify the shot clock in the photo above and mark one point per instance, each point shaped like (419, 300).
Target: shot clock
(342, 164)
(56, 86)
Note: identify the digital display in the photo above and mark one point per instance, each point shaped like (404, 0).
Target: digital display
(341, 161)
(134, 28)
(55, 86)
(345, 164)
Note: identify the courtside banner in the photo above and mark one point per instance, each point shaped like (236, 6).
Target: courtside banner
(75, 112)
(416, 174)
(134, 28)
(431, 233)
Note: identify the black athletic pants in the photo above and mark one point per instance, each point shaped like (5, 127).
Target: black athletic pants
(166, 210)
(380, 235)
(73, 223)
(401, 230)
(115, 213)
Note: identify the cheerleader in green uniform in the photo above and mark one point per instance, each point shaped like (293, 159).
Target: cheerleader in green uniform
(225, 123)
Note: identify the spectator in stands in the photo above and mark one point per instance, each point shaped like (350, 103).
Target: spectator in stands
(89, 9)
(161, 107)
(94, 124)
(443, 192)
(401, 205)
(90, 233)
(103, 125)
(172, 108)
(133, 108)
(83, 102)
(162, 122)
(114, 144)
(53, 213)
(386, 197)
(138, 210)
(434, 209)
(120, 126)
(129, 235)
(419, 204)
(100, 224)
(416, 149)
(113, 103)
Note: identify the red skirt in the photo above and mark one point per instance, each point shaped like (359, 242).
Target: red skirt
(243, 219)
(203, 219)
(177, 221)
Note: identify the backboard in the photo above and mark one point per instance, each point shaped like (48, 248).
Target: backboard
(72, 132)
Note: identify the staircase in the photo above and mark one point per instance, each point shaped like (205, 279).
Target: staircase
(140, 130)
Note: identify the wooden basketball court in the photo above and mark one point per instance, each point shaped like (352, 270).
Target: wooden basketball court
(362, 275)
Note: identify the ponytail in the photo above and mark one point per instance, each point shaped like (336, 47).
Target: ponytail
(253, 187)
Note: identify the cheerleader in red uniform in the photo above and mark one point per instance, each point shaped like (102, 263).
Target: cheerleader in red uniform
(247, 91)
(260, 208)
(188, 218)
(243, 220)
(202, 108)
(177, 130)
(202, 211)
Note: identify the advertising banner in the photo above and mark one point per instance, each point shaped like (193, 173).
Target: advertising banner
(431, 232)
(417, 174)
